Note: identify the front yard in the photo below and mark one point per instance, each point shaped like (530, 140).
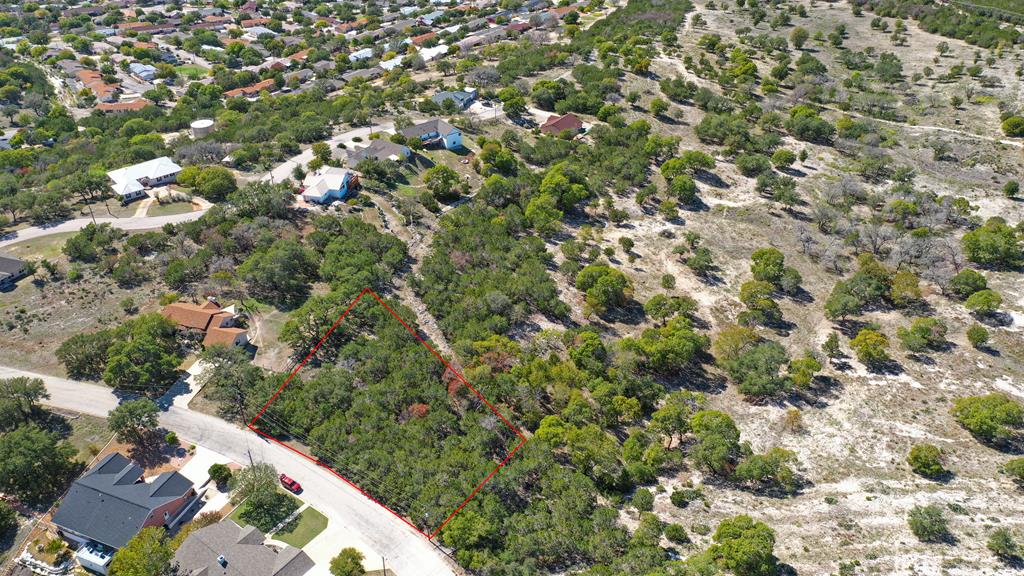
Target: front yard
(303, 529)
(299, 532)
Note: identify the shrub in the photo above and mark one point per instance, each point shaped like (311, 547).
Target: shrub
(923, 333)
(1011, 189)
(870, 347)
(1002, 544)
(9, 520)
(751, 165)
(643, 500)
(977, 335)
(1015, 469)
(984, 302)
(993, 244)
(220, 474)
(682, 497)
(926, 460)
(928, 523)
(991, 418)
(1014, 126)
(677, 534)
(967, 282)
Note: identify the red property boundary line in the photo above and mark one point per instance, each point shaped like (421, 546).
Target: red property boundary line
(318, 462)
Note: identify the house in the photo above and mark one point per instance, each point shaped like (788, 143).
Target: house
(461, 98)
(121, 107)
(143, 72)
(111, 503)
(216, 323)
(93, 80)
(129, 183)
(428, 19)
(252, 90)
(555, 125)
(380, 149)
(435, 131)
(434, 53)
(363, 54)
(225, 549)
(366, 74)
(422, 38)
(11, 270)
(326, 184)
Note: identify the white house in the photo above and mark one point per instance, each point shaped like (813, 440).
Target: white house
(130, 183)
(364, 54)
(326, 184)
(435, 131)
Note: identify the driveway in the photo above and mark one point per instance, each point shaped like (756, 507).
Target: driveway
(349, 513)
(131, 223)
(284, 169)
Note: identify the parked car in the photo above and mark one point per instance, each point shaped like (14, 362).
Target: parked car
(290, 484)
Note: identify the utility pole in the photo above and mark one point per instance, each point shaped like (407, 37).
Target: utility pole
(250, 456)
(384, 566)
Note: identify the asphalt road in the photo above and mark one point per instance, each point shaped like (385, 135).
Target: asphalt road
(130, 223)
(407, 552)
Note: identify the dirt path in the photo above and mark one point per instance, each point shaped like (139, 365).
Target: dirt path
(418, 245)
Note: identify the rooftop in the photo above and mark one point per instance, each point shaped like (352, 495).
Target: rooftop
(111, 503)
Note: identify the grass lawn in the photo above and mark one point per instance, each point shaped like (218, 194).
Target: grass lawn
(303, 529)
(298, 532)
(88, 433)
(106, 209)
(169, 208)
(192, 71)
(44, 247)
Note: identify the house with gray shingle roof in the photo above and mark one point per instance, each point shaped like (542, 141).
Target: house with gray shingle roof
(226, 549)
(112, 502)
(435, 131)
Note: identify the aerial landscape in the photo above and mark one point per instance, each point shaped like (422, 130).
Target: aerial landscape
(511, 287)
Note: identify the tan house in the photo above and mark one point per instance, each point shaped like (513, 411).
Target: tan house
(218, 324)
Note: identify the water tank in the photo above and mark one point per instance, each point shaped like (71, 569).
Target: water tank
(202, 128)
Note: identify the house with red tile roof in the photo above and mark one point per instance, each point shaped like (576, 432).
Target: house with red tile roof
(555, 125)
(120, 107)
(253, 90)
(419, 40)
(218, 324)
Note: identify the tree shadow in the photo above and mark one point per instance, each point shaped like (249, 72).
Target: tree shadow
(632, 313)
(710, 179)
(695, 378)
(52, 422)
(887, 368)
(152, 450)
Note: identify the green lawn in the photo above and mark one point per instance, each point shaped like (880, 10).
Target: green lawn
(298, 532)
(303, 529)
(169, 208)
(192, 71)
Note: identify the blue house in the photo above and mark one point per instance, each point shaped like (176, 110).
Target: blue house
(435, 131)
(327, 184)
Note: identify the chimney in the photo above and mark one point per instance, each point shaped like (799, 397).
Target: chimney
(222, 561)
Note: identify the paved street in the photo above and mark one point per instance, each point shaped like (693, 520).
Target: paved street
(132, 223)
(354, 519)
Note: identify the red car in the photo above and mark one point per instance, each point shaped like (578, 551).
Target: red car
(290, 484)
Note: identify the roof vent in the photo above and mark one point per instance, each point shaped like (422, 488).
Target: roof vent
(222, 561)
